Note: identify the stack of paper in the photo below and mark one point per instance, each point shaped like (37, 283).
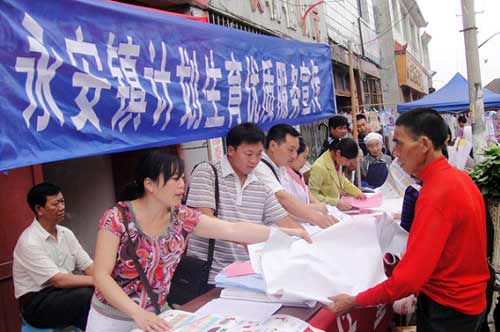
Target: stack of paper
(248, 295)
(248, 310)
(254, 282)
(240, 282)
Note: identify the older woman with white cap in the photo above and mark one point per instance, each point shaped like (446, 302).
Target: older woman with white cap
(375, 165)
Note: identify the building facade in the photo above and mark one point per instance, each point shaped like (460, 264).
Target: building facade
(353, 21)
(404, 52)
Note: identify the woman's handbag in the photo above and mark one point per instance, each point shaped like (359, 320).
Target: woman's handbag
(190, 279)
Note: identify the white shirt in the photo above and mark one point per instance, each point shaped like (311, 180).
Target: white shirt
(227, 170)
(38, 256)
(266, 175)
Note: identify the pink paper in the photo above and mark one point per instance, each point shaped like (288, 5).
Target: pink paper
(239, 269)
(371, 201)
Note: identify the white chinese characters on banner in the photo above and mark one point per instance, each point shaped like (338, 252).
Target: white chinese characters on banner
(188, 69)
(273, 89)
(315, 87)
(295, 92)
(162, 78)
(267, 107)
(130, 92)
(281, 90)
(305, 78)
(86, 80)
(212, 95)
(251, 83)
(40, 74)
(234, 69)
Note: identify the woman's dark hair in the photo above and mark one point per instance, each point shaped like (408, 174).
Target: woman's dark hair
(424, 122)
(302, 145)
(38, 194)
(248, 133)
(151, 165)
(462, 119)
(347, 147)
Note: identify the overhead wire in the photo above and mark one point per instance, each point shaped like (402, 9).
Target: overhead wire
(391, 27)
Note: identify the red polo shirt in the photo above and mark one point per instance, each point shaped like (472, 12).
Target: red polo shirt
(446, 252)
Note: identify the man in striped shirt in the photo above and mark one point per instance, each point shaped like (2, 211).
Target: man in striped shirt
(242, 197)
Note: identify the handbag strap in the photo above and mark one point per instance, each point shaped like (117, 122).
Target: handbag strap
(131, 247)
(272, 169)
(211, 242)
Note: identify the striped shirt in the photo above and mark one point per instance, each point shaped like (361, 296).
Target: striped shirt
(252, 202)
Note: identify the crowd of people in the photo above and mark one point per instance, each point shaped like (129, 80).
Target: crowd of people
(257, 184)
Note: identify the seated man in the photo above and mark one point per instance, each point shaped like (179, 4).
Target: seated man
(242, 197)
(50, 295)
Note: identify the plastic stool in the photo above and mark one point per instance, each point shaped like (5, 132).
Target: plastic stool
(28, 328)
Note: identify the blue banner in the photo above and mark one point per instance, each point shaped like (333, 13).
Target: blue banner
(82, 78)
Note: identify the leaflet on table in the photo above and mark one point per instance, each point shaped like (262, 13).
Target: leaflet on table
(371, 201)
(238, 269)
(182, 321)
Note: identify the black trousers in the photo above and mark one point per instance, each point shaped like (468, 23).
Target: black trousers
(58, 307)
(434, 317)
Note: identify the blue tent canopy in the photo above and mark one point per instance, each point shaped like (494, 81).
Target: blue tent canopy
(453, 97)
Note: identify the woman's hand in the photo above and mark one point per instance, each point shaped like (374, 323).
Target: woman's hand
(300, 232)
(150, 322)
(343, 206)
(361, 196)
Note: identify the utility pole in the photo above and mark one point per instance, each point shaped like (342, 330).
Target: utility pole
(354, 109)
(474, 78)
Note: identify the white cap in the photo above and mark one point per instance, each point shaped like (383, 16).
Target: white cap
(373, 136)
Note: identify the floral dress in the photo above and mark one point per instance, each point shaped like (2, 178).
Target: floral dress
(159, 256)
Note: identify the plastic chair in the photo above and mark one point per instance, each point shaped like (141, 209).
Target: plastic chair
(28, 328)
(25, 327)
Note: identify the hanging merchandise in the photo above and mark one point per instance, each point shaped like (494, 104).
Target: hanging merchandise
(374, 121)
(491, 134)
(452, 123)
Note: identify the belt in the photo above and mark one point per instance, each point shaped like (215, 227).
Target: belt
(26, 299)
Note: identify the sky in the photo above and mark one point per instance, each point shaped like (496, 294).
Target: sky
(447, 50)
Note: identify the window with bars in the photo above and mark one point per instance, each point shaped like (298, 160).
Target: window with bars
(223, 20)
(372, 92)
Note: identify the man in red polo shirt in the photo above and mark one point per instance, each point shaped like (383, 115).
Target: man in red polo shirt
(445, 260)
